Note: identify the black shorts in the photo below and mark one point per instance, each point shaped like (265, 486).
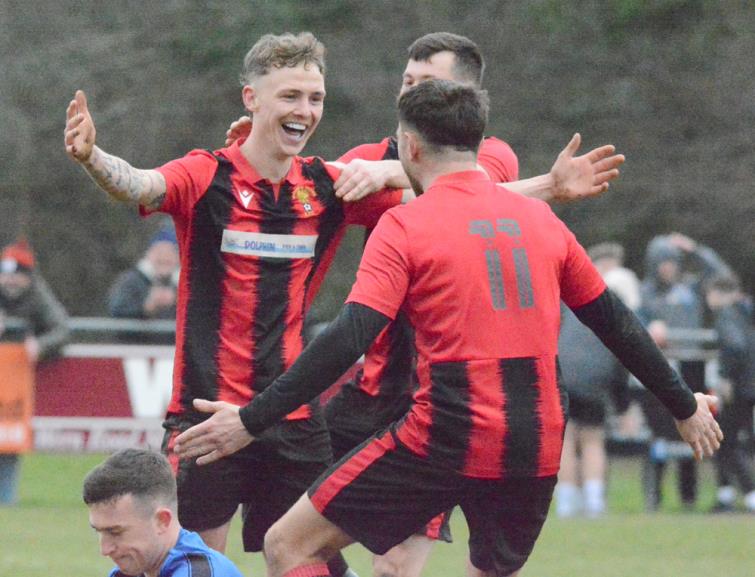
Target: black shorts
(587, 411)
(383, 493)
(353, 417)
(267, 477)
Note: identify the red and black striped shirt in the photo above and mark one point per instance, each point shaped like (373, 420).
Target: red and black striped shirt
(386, 374)
(249, 249)
(479, 271)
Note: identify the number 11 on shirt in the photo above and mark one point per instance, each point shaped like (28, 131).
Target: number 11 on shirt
(487, 230)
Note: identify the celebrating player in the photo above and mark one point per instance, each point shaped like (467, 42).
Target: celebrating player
(381, 391)
(480, 273)
(252, 221)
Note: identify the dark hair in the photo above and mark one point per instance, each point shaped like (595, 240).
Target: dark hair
(445, 113)
(139, 472)
(290, 50)
(468, 62)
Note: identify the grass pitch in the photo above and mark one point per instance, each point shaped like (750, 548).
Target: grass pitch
(48, 533)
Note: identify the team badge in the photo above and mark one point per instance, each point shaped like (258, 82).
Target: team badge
(304, 195)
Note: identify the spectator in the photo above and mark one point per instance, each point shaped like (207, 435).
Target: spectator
(671, 298)
(132, 507)
(593, 377)
(736, 389)
(148, 290)
(24, 294)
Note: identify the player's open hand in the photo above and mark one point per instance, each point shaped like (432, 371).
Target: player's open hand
(217, 437)
(701, 431)
(576, 177)
(360, 178)
(79, 134)
(239, 129)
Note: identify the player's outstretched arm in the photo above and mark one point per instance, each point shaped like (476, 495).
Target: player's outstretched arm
(624, 335)
(114, 175)
(219, 436)
(326, 358)
(573, 177)
(360, 178)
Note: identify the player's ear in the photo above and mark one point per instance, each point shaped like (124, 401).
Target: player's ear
(163, 517)
(413, 144)
(249, 98)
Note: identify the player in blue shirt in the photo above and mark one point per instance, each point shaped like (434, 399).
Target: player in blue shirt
(132, 506)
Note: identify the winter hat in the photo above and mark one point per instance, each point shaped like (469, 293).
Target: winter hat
(164, 234)
(17, 257)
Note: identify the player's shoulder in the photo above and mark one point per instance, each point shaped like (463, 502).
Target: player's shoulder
(381, 150)
(493, 142)
(207, 154)
(316, 168)
(191, 556)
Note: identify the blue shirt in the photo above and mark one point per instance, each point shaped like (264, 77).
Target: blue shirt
(190, 557)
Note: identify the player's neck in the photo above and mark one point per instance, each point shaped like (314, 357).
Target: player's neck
(171, 540)
(269, 165)
(432, 171)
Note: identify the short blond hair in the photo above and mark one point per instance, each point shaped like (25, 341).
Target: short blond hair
(285, 50)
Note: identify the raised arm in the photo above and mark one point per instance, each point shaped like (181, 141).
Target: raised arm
(570, 178)
(573, 177)
(114, 175)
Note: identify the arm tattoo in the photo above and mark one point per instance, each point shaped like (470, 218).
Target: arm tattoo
(124, 182)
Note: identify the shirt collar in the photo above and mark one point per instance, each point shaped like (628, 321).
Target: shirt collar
(250, 174)
(460, 177)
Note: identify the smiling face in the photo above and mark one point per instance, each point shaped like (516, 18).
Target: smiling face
(286, 106)
(131, 533)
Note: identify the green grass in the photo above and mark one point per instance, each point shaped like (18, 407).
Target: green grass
(48, 532)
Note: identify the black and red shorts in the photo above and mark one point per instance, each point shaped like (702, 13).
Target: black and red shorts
(266, 477)
(353, 417)
(382, 493)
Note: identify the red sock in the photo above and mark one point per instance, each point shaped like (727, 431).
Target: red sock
(315, 570)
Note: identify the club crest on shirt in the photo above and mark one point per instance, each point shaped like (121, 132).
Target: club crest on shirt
(304, 195)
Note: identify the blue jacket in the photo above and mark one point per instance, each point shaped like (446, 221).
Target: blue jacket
(192, 558)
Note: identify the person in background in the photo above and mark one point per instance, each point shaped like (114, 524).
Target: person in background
(593, 378)
(24, 294)
(671, 298)
(132, 507)
(732, 312)
(148, 290)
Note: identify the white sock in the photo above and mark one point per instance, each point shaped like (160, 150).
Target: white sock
(593, 494)
(726, 495)
(567, 500)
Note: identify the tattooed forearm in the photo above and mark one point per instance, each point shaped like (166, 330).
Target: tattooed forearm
(124, 182)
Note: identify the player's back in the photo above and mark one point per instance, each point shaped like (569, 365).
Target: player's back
(486, 266)
(486, 270)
